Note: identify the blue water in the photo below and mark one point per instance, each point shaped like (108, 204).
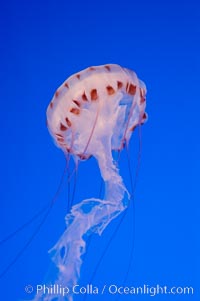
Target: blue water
(44, 42)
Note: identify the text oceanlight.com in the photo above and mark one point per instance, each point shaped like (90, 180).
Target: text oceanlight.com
(112, 289)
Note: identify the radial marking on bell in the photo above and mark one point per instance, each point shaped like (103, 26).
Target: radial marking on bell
(92, 69)
(78, 76)
(144, 117)
(75, 111)
(66, 85)
(68, 122)
(119, 85)
(142, 92)
(110, 90)
(84, 97)
(63, 127)
(51, 105)
(60, 139)
(142, 100)
(59, 135)
(131, 89)
(76, 102)
(107, 67)
(57, 93)
(93, 94)
(142, 96)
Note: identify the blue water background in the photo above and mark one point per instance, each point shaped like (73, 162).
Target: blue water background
(44, 42)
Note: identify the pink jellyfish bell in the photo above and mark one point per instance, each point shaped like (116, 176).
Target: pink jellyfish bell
(92, 113)
(95, 111)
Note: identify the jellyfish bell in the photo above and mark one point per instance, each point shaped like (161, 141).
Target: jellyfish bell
(96, 110)
(93, 113)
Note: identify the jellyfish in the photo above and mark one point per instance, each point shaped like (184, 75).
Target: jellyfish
(93, 113)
